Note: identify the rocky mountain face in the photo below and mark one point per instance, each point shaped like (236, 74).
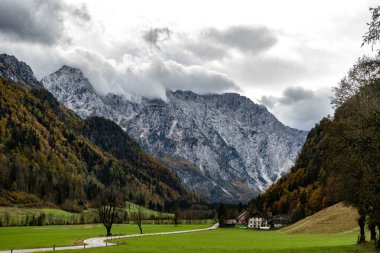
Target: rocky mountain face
(225, 147)
(17, 71)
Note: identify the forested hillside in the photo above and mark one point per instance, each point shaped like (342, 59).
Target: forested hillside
(309, 186)
(340, 159)
(48, 154)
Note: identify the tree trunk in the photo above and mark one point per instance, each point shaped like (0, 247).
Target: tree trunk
(361, 222)
(139, 224)
(372, 228)
(109, 230)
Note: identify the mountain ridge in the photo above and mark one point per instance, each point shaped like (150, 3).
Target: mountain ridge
(229, 147)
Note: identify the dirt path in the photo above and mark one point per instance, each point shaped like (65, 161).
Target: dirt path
(101, 241)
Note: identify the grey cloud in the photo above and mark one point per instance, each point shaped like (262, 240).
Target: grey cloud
(175, 76)
(206, 51)
(289, 96)
(253, 39)
(268, 101)
(156, 35)
(212, 44)
(295, 94)
(150, 79)
(26, 20)
(298, 107)
(193, 51)
(37, 21)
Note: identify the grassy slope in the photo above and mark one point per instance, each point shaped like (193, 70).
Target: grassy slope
(133, 208)
(334, 219)
(47, 236)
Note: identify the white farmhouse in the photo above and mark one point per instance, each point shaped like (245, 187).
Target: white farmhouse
(257, 220)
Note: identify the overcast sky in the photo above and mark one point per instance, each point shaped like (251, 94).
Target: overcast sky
(284, 54)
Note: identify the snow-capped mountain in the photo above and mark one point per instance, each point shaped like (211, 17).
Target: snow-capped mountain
(224, 147)
(17, 71)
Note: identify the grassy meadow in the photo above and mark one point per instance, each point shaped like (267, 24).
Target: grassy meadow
(220, 240)
(239, 240)
(333, 229)
(64, 235)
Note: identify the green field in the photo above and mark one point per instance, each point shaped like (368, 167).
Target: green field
(220, 240)
(47, 236)
(239, 240)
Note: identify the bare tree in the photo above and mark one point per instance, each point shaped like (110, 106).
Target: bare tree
(139, 218)
(109, 202)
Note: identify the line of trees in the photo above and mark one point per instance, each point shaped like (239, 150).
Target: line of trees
(340, 158)
(355, 147)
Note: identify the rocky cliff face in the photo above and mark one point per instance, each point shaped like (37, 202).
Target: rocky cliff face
(225, 147)
(17, 71)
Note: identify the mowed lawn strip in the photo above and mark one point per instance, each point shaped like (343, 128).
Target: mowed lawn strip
(47, 236)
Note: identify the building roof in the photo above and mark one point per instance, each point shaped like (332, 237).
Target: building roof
(257, 213)
(243, 215)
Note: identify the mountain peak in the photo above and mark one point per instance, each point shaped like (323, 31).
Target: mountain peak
(70, 70)
(70, 85)
(17, 71)
(224, 146)
(68, 76)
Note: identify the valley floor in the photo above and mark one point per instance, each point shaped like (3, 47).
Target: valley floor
(220, 240)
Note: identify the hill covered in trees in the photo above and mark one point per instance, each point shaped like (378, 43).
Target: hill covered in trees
(48, 154)
(340, 158)
(309, 186)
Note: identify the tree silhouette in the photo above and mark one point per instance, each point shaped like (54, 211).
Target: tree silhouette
(109, 202)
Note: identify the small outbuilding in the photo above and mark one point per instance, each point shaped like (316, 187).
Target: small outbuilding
(230, 223)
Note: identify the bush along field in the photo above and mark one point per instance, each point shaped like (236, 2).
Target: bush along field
(17, 216)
